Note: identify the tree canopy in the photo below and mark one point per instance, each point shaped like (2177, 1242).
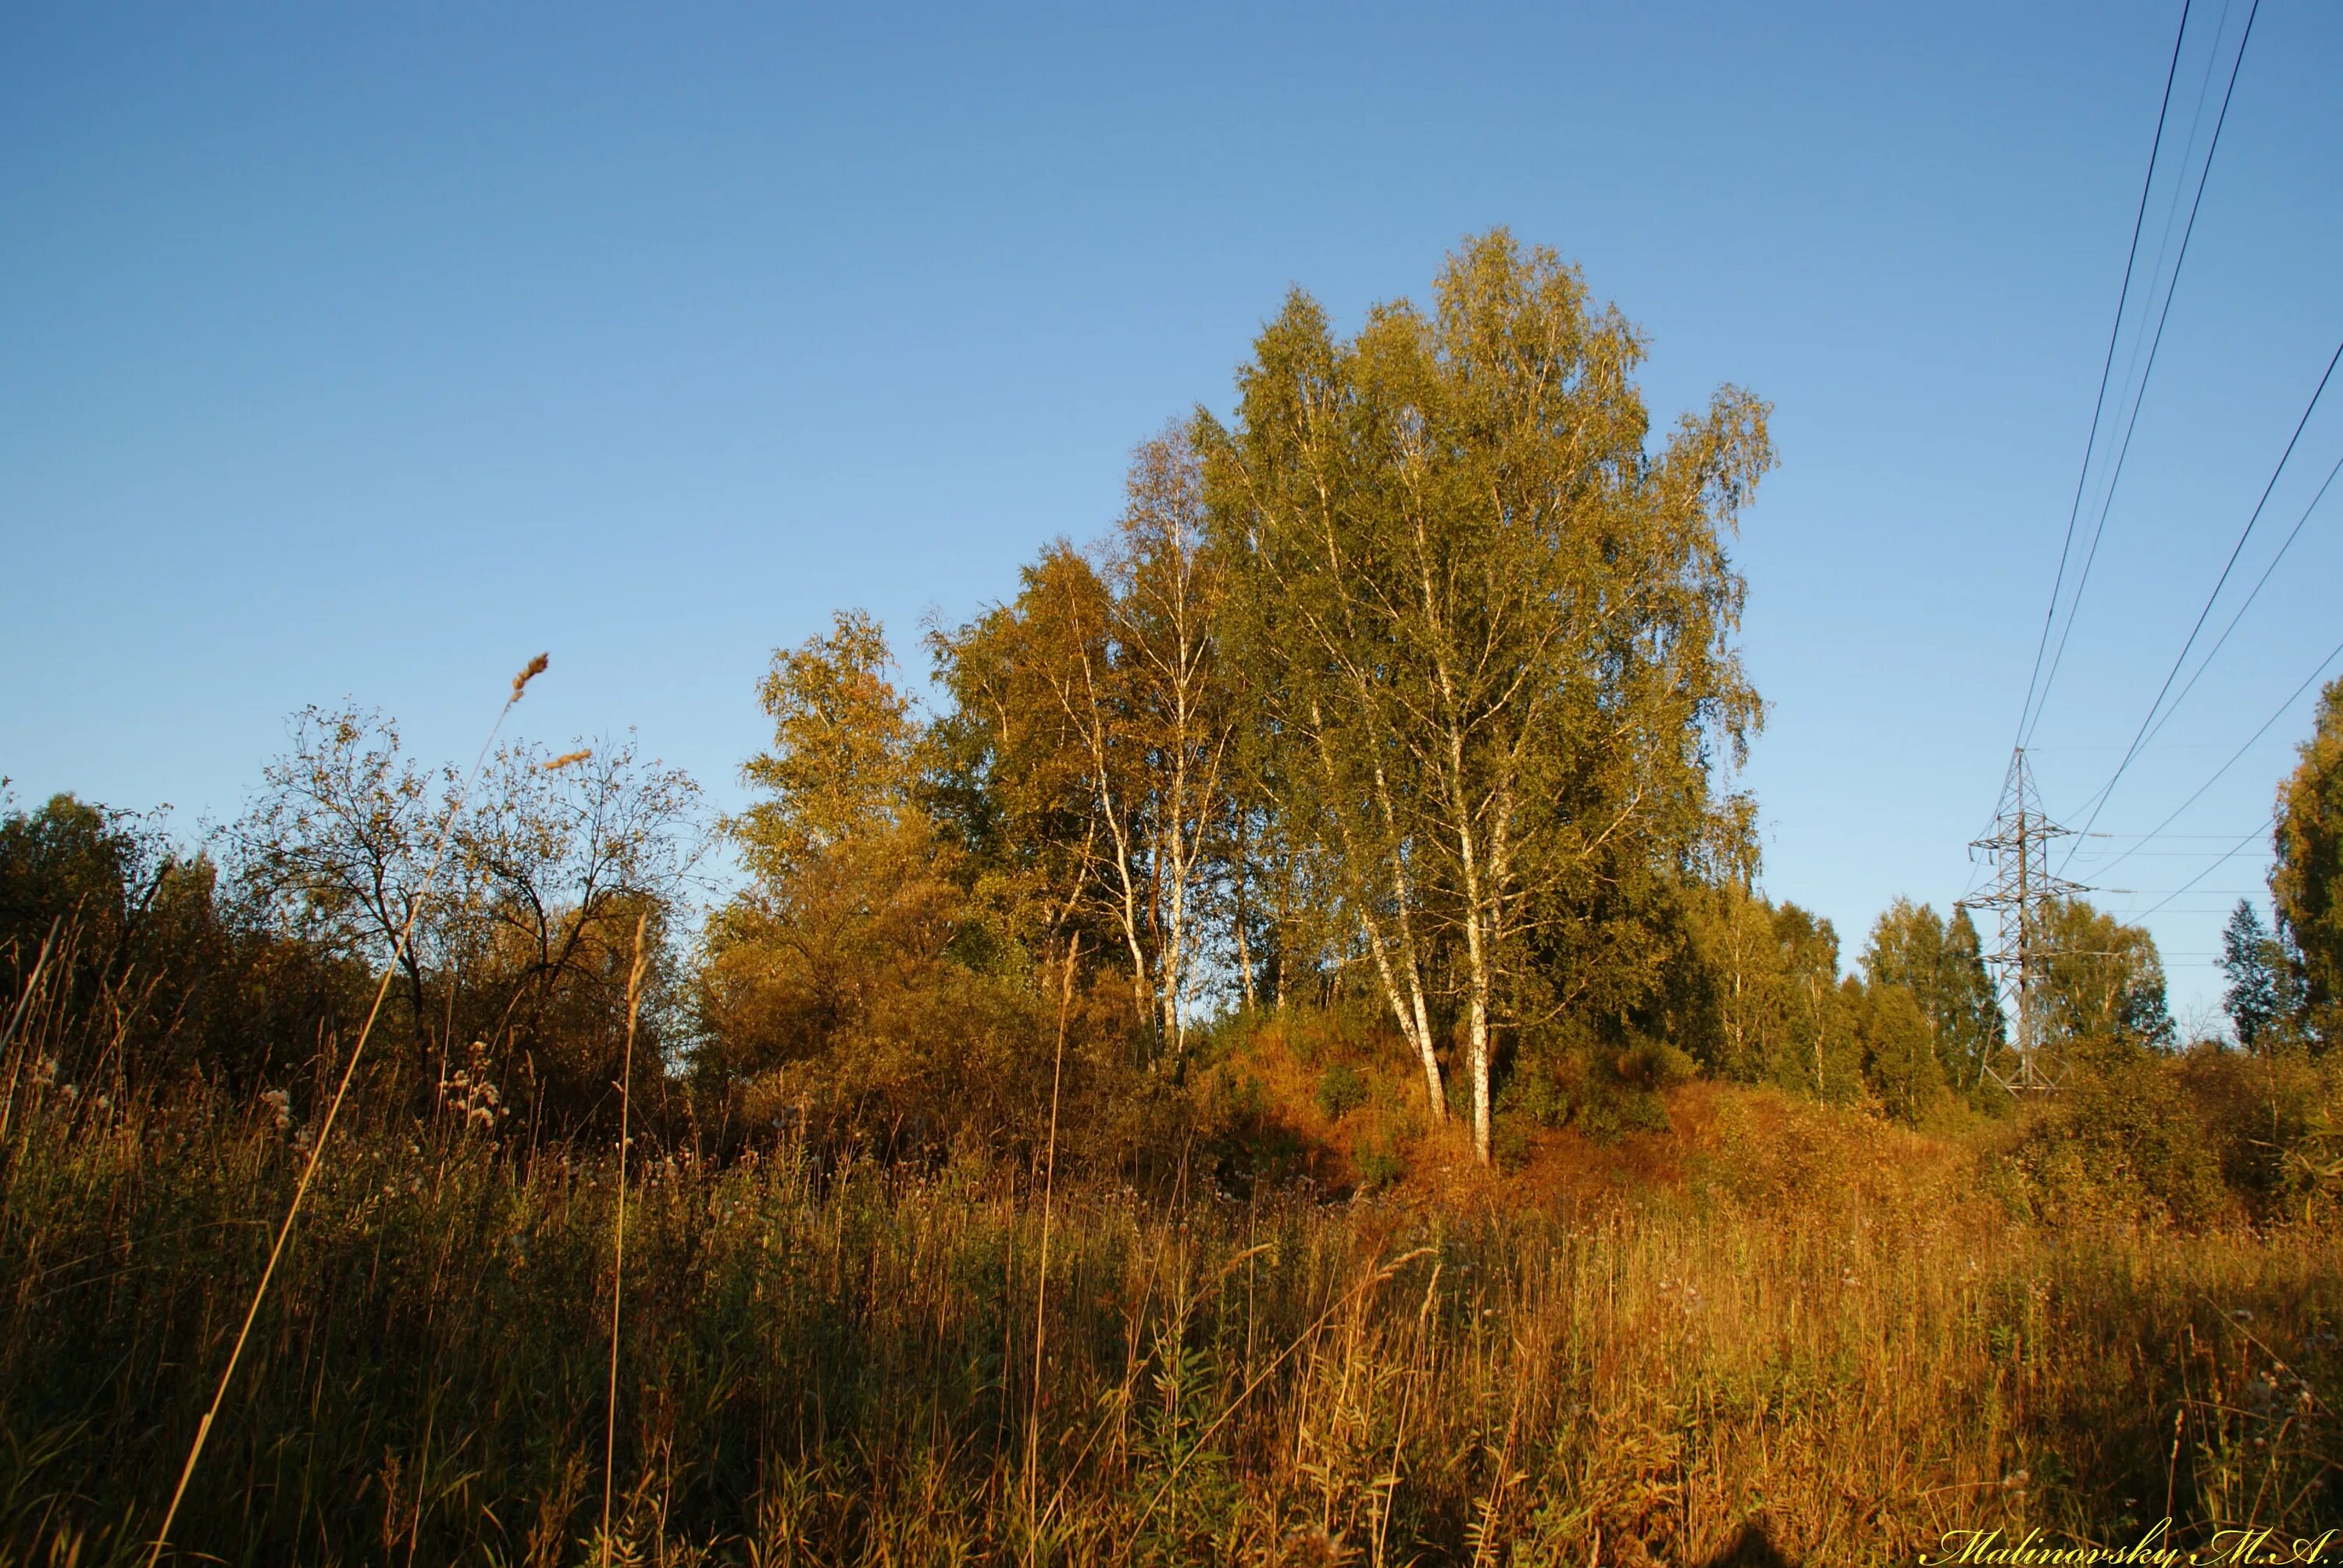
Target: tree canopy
(1492, 629)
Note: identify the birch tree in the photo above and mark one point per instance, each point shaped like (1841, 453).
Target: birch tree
(1497, 623)
(1096, 707)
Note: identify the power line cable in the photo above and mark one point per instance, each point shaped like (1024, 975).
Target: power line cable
(2235, 550)
(2259, 584)
(2115, 335)
(2158, 855)
(2208, 838)
(2156, 343)
(2208, 871)
(2224, 768)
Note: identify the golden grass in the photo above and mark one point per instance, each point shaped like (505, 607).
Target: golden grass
(1816, 1335)
(535, 668)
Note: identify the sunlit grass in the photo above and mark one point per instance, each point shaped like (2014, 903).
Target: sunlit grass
(1842, 1349)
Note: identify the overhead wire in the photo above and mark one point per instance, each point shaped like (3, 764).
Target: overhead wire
(2254, 593)
(2292, 698)
(2139, 398)
(2106, 368)
(2235, 550)
(2208, 871)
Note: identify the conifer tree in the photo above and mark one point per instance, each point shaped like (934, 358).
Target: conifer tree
(2264, 997)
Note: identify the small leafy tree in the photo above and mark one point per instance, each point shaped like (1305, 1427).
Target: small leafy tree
(1938, 961)
(1095, 711)
(854, 976)
(549, 872)
(2102, 987)
(1775, 1009)
(1899, 1050)
(337, 846)
(2307, 881)
(846, 896)
(524, 937)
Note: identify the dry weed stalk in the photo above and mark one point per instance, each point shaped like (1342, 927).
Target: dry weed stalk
(535, 668)
(1041, 1281)
(16, 1021)
(618, 1227)
(1375, 1276)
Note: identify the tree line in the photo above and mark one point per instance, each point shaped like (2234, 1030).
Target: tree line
(1409, 692)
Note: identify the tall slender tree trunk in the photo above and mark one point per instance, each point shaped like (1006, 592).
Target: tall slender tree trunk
(1244, 958)
(1476, 1014)
(1408, 1006)
(1478, 1026)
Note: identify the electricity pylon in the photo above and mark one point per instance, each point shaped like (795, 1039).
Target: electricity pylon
(2022, 891)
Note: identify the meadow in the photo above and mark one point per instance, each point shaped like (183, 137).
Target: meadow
(1776, 1333)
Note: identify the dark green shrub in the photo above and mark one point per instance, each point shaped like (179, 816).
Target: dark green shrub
(1652, 1065)
(1341, 1090)
(1380, 1168)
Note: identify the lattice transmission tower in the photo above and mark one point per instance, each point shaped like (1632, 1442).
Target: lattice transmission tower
(2022, 891)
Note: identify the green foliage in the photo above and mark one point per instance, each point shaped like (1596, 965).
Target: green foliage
(135, 965)
(71, 860)
(1604, 1092)
(1900, 1059)
(1494, 630)
(843, 763)
(1764, 1000)
(2122, 1139)
(857, 988)
(1185, 1487)
(2307, 880)
(1538, 1091)
(2276, 1123)
(2264, 997)
(2102, 987)
(1939, 962)
(1341, 1090)
(1380, 1167)
(1088, 761)
(1652, 1066)
(510, 923)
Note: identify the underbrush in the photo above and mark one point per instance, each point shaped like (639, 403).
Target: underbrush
(1805, 1334)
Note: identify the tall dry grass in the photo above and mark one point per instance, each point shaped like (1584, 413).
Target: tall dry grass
(1827, 1347)
(323, 1138)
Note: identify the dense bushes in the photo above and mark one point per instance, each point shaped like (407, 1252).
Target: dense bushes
(2208, 1137)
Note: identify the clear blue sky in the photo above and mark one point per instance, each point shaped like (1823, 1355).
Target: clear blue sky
(365, 351)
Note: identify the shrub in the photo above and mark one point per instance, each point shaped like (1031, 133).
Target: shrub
(1609, 1092)
(1341, 1090)
(2271, 1122)
(1381, 1167)
(1652, 1065)
(2122, 1140)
